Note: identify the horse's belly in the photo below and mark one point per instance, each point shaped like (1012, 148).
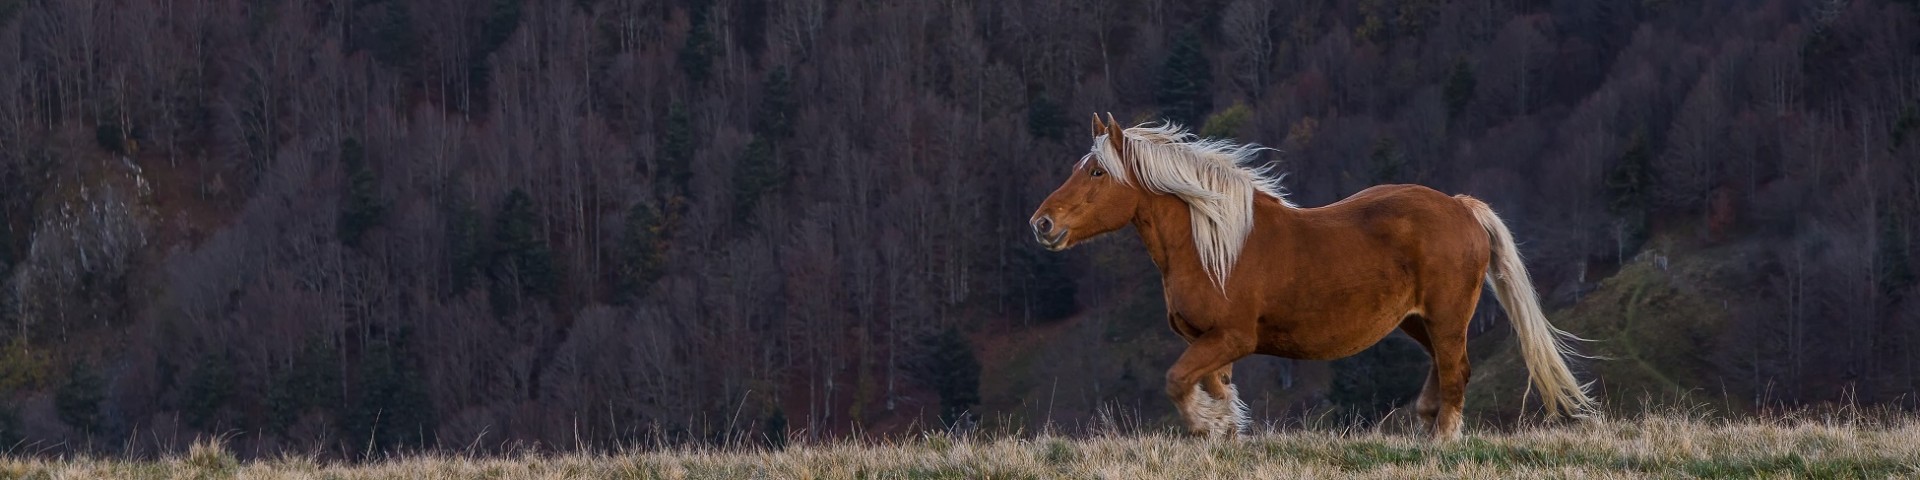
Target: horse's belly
(1325, 339)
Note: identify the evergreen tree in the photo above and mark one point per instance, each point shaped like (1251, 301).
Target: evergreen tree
(1459, 87)
(1045, 118)
(1629, 186)
(676, 151)
(363, 209)
(1386, 165)
(642, 252)
(9, 9)
(12, 430)
(78, 400)
(313, 382)
(777, 106)
(1186, 81)
(503, 18)
(397, 43)
(1043, 284)
(775, 429)
(208, 389)
(696, 55)
(1895, 272)
(949, 366)
(757, 174)
(466, 245)
(108, 135)
(392, 410)
(1907, 124)
(521, 257)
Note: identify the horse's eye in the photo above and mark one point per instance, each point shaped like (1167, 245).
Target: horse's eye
(1098, 172)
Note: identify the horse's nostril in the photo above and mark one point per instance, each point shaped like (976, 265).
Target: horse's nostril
(1043, 225)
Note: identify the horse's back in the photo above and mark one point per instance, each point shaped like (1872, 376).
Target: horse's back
(1432, 239)
(1409, 215)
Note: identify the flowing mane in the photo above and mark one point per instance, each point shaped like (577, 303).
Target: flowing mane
(1213, 176)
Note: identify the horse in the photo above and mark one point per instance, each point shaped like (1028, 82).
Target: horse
(1246, 271)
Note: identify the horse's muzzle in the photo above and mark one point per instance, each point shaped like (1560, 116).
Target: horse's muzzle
(1044, 234)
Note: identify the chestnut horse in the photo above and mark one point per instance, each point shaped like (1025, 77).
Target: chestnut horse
(1245, 271)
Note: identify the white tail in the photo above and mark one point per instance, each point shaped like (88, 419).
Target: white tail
(1543, 347)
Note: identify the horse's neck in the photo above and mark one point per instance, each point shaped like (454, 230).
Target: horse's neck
(1165, 224)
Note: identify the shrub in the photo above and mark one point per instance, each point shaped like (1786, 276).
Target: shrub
(948, 365)
(209, 387)
(78, 400)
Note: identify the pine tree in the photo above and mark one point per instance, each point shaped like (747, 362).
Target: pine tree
(467, 250)
(1629, 186)
(642, 252)
(363, 210)
(1459, 87)
(676, 152)
(397, 43)
(775, 119)
(1043, 286)
(392, 410)
(12, 430)
(78, 400)
(1631, 180)
(949, 366)
(759, 172)
(521, 256)
(313, 382)
(1907, 124)
(775, 429)
(208, 389)
(1045, 118)
(1386, 165)
(754, 177)
(1186, 81)
(1895, 272)
(696, 55)
(110, 138)
(503, 18)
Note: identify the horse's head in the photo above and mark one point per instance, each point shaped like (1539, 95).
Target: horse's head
(1093, 201)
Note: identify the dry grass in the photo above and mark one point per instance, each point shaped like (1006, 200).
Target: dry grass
(1666, 446)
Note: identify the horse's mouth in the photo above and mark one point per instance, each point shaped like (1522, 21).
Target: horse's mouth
(1055, 243)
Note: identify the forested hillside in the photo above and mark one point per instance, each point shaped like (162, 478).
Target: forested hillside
(383, 224)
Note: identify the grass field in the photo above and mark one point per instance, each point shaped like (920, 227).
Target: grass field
(1661, 446)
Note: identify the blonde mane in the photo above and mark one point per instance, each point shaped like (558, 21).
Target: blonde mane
(1211, 175)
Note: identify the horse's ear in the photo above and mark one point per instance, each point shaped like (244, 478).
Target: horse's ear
(1098, 129)
(1115, 134)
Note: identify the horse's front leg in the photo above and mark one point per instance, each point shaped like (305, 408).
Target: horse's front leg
(1222, 380)
(1210, 406)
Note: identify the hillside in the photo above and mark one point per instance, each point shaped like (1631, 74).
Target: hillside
(1653, 447)
(351, 228)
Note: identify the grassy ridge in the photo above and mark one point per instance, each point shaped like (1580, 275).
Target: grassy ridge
(1650, 447)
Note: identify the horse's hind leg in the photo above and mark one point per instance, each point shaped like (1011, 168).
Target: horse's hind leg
(1446, 330)
(1428, 405)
